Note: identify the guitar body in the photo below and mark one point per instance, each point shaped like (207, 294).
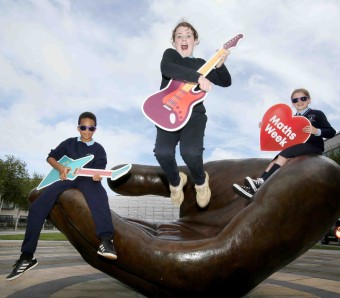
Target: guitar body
(76, 169)
(171, 107)
(53, 176)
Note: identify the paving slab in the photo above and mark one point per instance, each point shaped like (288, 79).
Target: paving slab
(62, 272)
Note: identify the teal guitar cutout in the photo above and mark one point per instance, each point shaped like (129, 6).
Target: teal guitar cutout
(76, 169)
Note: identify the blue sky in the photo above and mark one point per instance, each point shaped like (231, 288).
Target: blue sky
(60, 58)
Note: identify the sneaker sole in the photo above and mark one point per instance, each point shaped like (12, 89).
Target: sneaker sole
(205, 201)
(18, 275)
(249, 182)
(241, 192)
(107, 255)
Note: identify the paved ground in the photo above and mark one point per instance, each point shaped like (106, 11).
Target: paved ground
(63, 273)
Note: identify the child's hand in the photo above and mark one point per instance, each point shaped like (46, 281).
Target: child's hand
(96, 177)
(204, 84)
(260, 124)
(63, 171)
(310, 129)
(223, 58)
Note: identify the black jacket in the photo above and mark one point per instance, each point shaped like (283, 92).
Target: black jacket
(319, 120)
(173, 66)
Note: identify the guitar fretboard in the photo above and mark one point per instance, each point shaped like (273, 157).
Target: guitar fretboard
(211, 63)
(205, 69)
(92, 172)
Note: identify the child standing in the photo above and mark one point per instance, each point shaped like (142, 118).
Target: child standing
(319, 129)
(180, 64)
(91, 187)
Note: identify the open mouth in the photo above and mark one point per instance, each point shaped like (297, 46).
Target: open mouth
(184, 47)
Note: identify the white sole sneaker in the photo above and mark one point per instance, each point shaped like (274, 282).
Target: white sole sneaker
(203, 193)
(176, 192)
(242, 192)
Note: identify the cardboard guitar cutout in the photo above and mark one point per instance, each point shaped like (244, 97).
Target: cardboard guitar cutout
(280, 129)
(76, 169)
(171, 107)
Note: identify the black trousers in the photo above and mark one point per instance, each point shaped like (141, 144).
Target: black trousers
(190, 139)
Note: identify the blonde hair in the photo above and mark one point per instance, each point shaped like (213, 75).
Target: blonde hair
(302, 90)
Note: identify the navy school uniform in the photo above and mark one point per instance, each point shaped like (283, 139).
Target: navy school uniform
(315, 143)
(93, 191)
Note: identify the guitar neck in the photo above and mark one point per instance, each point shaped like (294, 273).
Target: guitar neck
(211, 63)
(92, 172)
(205, 69)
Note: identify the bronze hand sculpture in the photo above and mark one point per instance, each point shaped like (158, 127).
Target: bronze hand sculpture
(229, 247)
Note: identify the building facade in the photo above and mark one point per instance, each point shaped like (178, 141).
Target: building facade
(332, 145)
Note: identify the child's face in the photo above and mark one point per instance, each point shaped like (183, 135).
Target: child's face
(184, 42)
(86, 135)
(300, 105)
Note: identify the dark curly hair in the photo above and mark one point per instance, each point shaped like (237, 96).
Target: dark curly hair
(87, 115)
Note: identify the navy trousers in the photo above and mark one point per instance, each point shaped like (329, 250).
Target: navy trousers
(96, 198)
(300, 149)
(190, 138)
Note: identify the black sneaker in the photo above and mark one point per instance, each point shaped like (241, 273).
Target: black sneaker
(243, 191)
(254, 184)
(20, 267)
(107, 250)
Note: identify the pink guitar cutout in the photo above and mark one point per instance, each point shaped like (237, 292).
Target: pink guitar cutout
(171, 107)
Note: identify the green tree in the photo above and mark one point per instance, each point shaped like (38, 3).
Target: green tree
(15, 182)
(335, 155)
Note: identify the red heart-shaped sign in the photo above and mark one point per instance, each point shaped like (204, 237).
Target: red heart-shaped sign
(280, 129)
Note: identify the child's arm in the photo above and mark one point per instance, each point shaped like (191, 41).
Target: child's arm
(220, 75)
(204, 84)
(223, 58)
(99, 161)
(171, 69)
(311, 129)
(326, 129)
(322, 126)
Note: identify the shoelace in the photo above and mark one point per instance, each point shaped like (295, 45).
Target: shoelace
(16, 263)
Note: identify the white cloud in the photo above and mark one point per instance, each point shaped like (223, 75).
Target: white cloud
(60, 58)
